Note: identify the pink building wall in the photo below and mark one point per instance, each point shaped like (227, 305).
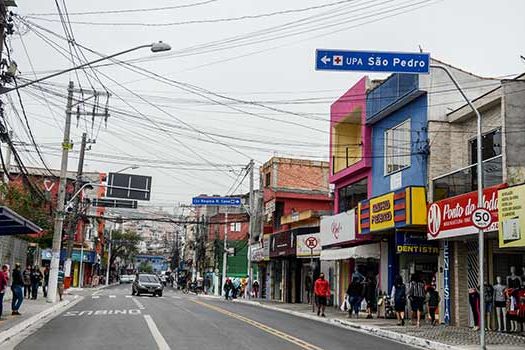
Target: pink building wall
(354, 98)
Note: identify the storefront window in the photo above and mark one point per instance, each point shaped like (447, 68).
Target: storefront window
(351, 195)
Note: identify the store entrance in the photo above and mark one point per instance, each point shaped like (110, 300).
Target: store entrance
(425, 266)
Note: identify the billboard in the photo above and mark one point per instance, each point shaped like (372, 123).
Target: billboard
(128, 186)
(511, 207)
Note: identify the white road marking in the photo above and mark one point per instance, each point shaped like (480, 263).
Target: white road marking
(101, 312)
(95, 296)
(129, 296)
(138, 303)
(159, 339)
(112, 296)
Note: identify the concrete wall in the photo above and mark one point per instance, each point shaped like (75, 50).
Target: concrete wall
(514, 130)
(13, 250)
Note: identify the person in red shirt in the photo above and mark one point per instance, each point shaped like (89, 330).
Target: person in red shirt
(4, 277)
(322, 293)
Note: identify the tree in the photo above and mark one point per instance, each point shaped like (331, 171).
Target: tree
(31, 207)
(146, 267)
(124, 245)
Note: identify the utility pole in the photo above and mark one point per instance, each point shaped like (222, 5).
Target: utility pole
(225, 253)
(59, 216)
(78, 184)
(251, 226)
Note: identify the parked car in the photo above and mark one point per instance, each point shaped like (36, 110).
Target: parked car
(126, 279)
(147, 284)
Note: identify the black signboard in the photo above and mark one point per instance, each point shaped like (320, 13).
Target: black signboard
(128, 186)
(114, 203)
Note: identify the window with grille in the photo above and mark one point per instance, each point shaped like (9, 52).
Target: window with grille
(397, 148)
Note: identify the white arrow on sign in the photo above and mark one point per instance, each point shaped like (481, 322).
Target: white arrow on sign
(325, 59)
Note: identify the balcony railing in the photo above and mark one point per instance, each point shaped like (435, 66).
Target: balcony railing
(393, 89)
(465, 180)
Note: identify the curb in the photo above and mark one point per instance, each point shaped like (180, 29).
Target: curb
(382, 333)
(12, 332)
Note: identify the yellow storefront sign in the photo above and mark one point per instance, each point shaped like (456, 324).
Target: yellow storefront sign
(511, 217)
(382, 212)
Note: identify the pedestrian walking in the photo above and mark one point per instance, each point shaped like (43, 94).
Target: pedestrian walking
(17, 287)
(355, 296)
(432, 300)
(236, 287)
(4, 279)
(60, 284)
(322, 293)
(27, 282)
(255, 289)
(227, 288)
(416, 295)
(45, 285)
(370, 295)
(36, 279)
(400, 299)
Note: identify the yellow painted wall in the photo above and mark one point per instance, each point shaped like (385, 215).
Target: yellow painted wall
(346, 134)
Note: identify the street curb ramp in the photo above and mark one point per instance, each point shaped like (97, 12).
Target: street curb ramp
(383, 333)
(8, 335)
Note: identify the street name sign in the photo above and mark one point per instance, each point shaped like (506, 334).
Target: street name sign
(217, 201)
(373, 61)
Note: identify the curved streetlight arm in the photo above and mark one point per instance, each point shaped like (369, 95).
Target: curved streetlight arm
(155, 47)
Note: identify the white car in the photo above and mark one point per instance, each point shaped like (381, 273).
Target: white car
(126, 278)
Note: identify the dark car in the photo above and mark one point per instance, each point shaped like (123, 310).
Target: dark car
(147, 284)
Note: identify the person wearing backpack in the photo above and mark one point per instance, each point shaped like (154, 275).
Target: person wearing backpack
(399, 297)
(432, 300)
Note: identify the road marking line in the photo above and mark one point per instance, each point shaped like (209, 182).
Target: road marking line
(95, 296)
(138, 303)
(159, 339)
(129, 296)
(301, 343)
(112, 296)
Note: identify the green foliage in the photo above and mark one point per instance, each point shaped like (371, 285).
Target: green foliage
(30, 207)
(124, 245)
(146, 267)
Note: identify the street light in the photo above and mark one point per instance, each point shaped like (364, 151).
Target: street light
(59, 216)
(154, 47)
(132, 167)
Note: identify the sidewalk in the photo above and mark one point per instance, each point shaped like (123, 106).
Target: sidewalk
(438, 337)
(32, 312)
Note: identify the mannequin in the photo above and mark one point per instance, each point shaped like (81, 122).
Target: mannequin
(513, 280)
(513, 309)
(489, 305)
(473, 298)
(500, 302)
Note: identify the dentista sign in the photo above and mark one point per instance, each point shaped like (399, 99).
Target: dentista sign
(452, 217)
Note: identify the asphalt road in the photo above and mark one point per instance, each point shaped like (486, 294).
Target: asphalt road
(112, 319)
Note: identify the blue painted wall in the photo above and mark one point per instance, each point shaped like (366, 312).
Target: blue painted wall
(416, 173)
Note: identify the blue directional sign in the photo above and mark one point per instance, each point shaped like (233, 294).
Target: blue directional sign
(393, 62)
(217, 201)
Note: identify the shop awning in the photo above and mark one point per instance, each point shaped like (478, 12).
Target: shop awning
(13, 224)
(362, 251)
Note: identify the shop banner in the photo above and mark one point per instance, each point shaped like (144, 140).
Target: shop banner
(413, 243)
(446, 282)
(511, 207)
(303, 250)
(87, 256)
(266, 247)
(451, 217)
(382, 212)
(282, 244)
(256, 252)
(338, 228)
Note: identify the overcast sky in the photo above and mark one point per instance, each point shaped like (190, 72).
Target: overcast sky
(253, 89)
